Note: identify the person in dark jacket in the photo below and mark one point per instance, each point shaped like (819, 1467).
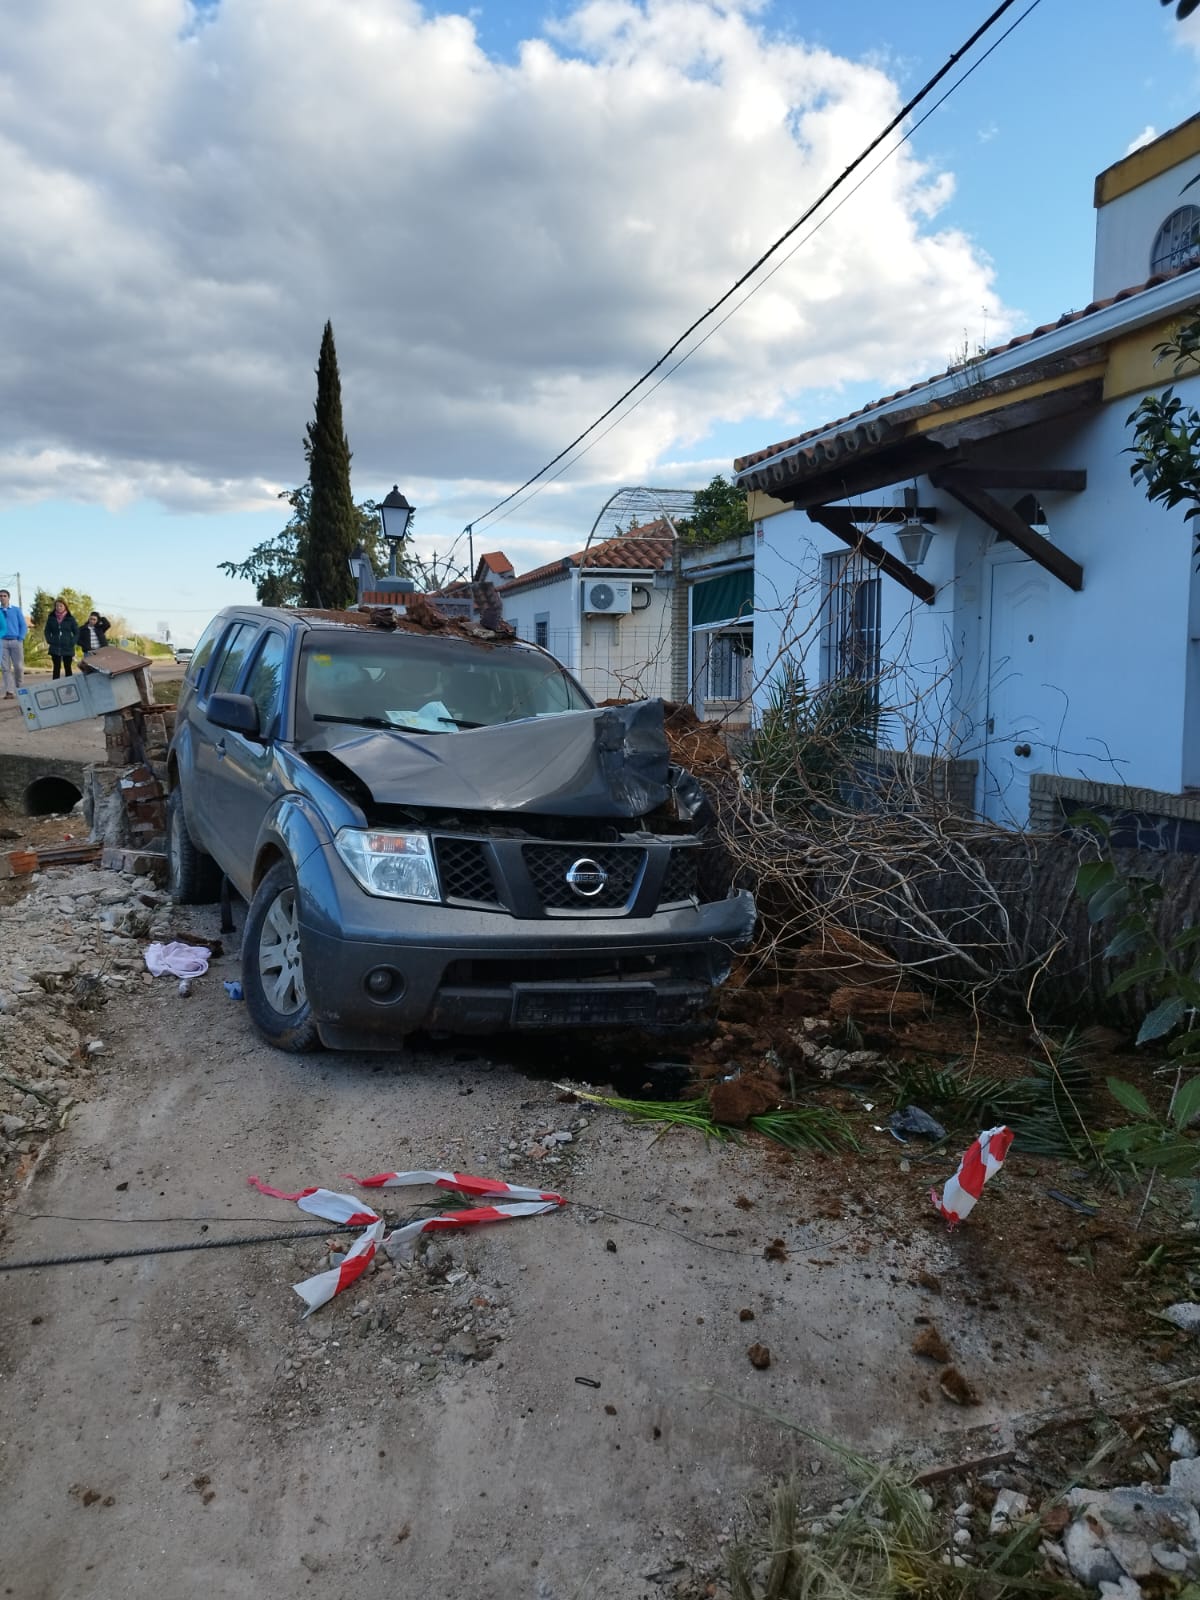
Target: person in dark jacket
(94, 633)
(62, 635)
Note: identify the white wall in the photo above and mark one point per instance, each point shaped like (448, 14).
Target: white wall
(1126, 227)
(1116, 659)
(626, 657)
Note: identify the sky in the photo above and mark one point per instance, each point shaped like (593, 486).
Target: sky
(508, 211)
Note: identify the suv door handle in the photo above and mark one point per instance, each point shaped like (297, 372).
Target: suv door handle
(220, 747)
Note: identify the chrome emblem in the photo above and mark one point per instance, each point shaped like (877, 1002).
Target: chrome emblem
(586, 877)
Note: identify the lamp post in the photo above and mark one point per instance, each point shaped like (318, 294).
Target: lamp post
(395, 513)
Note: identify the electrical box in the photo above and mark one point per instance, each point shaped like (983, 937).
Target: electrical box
(75, 699)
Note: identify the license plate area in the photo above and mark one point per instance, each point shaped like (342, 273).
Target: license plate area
(553, 1005)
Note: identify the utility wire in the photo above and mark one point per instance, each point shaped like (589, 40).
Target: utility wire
(754, 288)
(925, 90)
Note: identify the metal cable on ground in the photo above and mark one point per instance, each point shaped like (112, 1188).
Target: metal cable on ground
(173, 1249)
(925, 90)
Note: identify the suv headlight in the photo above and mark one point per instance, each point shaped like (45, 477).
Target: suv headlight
(396, 865)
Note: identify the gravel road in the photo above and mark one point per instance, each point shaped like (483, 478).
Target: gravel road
(554, 1408)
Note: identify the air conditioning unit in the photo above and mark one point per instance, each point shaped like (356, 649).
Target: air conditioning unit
(607, 597)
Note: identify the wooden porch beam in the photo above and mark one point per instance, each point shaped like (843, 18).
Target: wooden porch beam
(899, 463)
(1073, 480)
(838, 521)
(871, 514)
(1014, 528)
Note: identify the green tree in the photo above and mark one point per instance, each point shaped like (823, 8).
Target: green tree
(330, 532)
(1166, 433)
(274, 567)
(718, 513)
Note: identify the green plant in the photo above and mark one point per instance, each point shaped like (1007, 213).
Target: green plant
(1158, 1144)
(796, 1127)
(1166, 439)
(803, 754)
(1168, 970)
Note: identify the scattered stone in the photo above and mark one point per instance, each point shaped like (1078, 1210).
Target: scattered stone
(1184, 1479)
(928, 1281)
(1183, 1443)
(760, 1356)
(930, 1344)
(1088, 1557)
(1184, 1314)
(956, 1388)
(1009, 1508)
(1126, 1588)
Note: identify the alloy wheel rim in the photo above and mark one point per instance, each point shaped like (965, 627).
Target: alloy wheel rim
(279, 962)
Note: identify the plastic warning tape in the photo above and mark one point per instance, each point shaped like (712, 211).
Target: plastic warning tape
(344, 1208)
(317, 1290)
(462, 1181)
(982, 1160)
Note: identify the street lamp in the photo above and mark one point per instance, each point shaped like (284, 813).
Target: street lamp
(395, 513)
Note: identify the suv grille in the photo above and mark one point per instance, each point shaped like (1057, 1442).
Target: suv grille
(548, 866)
(464, 870)
(680, 881)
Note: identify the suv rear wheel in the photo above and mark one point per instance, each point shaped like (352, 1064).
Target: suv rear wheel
(193, 879)
(273, 966)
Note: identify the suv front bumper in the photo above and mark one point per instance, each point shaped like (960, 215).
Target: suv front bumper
(462, 971)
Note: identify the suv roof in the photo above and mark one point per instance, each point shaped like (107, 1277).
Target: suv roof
(310, 617)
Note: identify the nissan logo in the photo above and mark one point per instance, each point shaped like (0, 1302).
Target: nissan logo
(586, 877)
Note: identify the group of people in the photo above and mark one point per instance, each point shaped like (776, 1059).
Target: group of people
(63, 637)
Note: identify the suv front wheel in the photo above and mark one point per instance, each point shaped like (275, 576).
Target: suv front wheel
(273, 966)
(193, 879)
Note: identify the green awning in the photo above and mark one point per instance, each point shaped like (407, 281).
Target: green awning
(723, 599)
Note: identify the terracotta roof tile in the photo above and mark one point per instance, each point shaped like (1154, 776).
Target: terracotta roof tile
(647, 547)
(1068, 317)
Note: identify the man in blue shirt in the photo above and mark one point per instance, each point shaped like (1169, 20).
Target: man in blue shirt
(13, 628)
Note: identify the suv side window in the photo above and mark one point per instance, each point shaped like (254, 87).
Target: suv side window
(266, 679)
(233, 656)
(202, 651)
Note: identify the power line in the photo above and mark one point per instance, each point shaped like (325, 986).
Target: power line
(763, 281)
(921, 94)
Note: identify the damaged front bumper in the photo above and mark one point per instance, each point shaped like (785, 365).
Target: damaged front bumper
(378, 969)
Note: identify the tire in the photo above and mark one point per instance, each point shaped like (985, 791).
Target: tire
(193, 879)
(273, 965)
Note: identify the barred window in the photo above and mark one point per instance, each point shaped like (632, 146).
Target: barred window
(850, 625)
(1177, 242)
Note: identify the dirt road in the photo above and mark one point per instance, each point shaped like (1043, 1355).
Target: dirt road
(172, 1426)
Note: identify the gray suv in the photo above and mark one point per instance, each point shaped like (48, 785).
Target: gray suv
(439, 831)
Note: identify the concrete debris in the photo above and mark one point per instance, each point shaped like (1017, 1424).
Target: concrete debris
(1184, 1314)
(1139, 1532)
(1183, 1442)
(1009, 1508)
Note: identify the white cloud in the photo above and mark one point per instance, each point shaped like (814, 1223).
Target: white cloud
(501, 247)
(1147, 136)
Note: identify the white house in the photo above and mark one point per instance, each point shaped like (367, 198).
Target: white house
(978, 542)
(605, 612)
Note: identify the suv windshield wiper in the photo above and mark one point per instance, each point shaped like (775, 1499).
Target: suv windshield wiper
(354, 722)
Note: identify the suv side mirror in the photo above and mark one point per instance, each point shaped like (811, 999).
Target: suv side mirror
(237, 712)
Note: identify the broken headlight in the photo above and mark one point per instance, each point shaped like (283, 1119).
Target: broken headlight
(396, 865)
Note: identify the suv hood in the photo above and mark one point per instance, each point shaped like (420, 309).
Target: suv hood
(610, 762)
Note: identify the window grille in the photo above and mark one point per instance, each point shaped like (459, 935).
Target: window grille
(1177, 242)
(851, 624)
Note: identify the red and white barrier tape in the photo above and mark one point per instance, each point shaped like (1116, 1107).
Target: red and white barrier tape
(981, 1161)
(461, 1181)
(334, 1207)
(317, 1290)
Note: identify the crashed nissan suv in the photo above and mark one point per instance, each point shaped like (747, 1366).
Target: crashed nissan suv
(438, 830)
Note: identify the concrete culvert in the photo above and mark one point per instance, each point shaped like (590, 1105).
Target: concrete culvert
(46, 796)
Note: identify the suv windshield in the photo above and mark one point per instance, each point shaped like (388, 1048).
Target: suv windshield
(428, 685)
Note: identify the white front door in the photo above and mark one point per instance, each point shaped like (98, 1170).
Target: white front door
(1025, 708)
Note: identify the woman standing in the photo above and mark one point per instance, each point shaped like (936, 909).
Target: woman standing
(94, 633)
(62, 635)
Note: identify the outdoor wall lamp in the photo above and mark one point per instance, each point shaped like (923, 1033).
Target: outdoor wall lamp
(395, 513)
(914, 537)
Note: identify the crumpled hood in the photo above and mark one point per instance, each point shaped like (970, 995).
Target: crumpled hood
(610, 762)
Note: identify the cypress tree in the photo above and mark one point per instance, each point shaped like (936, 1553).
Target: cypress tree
(332, 529)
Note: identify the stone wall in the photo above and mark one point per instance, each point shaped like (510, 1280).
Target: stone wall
(1141, 819)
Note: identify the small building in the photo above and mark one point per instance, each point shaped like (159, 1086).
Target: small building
(975, 545)
(604, 612)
